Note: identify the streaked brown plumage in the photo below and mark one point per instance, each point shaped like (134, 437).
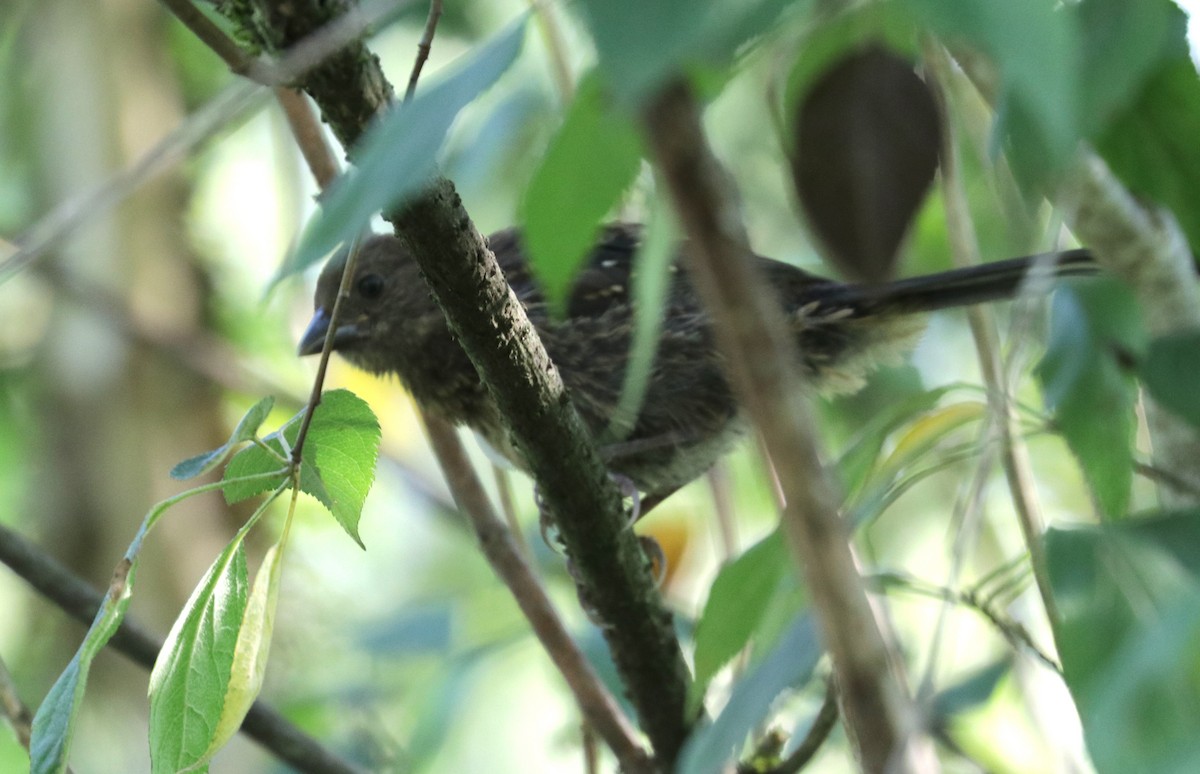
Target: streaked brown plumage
(689, 417)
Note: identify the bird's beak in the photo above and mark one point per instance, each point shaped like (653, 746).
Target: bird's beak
(313, 339)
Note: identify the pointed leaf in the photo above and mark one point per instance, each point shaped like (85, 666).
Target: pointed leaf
(250, 652)
(339, 458)
(54, 722)
(1169, 371)
(590, 162)
(1095, 338)
(789, 665)
(190, 679)
(736, 603)
(397, 156)
(246, 429)
(867, 140)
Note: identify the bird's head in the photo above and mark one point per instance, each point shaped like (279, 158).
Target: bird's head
(388, 303)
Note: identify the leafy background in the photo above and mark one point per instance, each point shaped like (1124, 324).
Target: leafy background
(145, 338)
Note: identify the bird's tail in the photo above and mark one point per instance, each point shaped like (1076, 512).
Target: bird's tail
(958, 287)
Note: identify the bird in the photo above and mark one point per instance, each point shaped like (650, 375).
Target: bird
(689, 416)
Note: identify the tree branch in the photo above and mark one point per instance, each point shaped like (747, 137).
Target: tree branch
(492, 327)
(761, 363)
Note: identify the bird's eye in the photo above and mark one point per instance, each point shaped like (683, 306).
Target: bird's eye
(370, 286)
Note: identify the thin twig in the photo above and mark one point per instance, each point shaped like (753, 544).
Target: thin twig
(822, 725)
(80, 600)
(211, 35)
(14, 709)
(496, 541)
(306, 130)
(424, 47)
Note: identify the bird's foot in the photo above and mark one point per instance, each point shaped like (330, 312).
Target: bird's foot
(548, 527)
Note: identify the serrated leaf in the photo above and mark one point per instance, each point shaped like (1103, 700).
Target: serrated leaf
(246, 429)
(739, 597)
(789, 665)
(867, 138)
(590, 162)
(54, 722)
(1037, 51)
(1128, 596)
(339, 458)
(397, 156)
(1169, 371)
(1095, 337)
(190, 679)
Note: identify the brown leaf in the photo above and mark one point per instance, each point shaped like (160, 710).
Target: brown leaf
(866, 149)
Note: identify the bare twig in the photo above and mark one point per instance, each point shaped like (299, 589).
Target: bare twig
(80, 600)
(211, 35)
(306, 130)
(424, 47)
(761, 363)
(14, 709)
(501, 551)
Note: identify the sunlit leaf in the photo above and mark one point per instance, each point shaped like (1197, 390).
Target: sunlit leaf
(1095, 338)
(340, 455)
(246, 429)
(590, 162)
(250, 652)
(397, 156)
(190, 679)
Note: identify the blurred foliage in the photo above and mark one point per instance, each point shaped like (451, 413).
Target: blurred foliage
(409, 656)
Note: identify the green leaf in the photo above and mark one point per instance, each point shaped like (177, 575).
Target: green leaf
(339, 458)
(1169, 371)
(789, 665)
(737, 601)
(1128, 596)
(250, 653)
(1151, 145)
(246, 429)
(54, 722)
(397, 156)
(864, 453)
(642, 44)
(1095, 337)
(971, 692)
(590, 162)
(1037, 51)
(651, 281)
(1123, 44)
(190, 679)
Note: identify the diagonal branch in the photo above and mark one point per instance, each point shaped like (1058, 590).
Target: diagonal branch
(493, 329)
(760, 362)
